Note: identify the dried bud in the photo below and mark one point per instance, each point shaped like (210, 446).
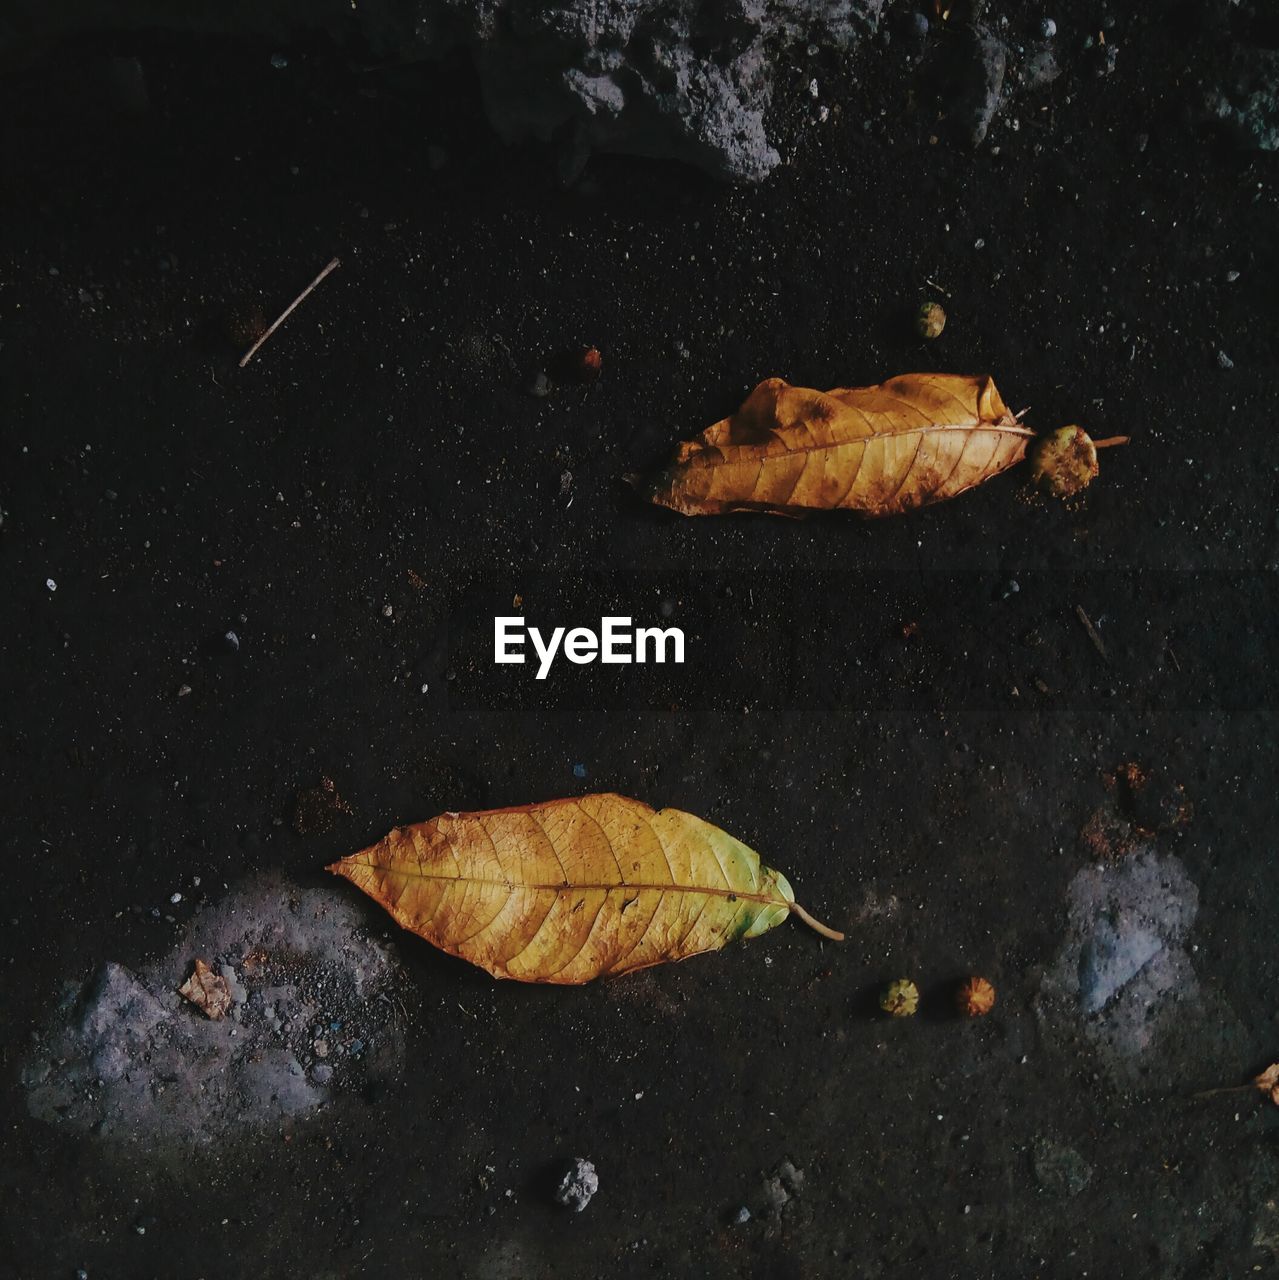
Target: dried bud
(930, 320)
(900, 998)
(976, 998)
(1268, 1082)
(1063, 462)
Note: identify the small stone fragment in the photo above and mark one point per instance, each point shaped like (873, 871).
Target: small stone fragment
(900, 998)
(208, 991)
(579, 1183)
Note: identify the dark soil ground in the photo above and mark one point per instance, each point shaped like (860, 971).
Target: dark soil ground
(909, 717)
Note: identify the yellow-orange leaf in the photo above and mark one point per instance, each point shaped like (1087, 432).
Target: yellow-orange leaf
(910, 441)
(573, 889)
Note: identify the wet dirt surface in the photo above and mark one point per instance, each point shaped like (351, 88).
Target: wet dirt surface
(909, 718)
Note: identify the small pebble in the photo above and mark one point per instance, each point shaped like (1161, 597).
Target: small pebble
(741, 1217)
(232, 641)
(321, 1073)
(388, 611)
(579, 771)
(183, 690)
(49, 582)
(279, 61)
(1105, 60)
(1047, 29)
(321, 1048)
(1224, 361)
(578, 1185)
(174, 899)
(540, 385)
(1231, 277)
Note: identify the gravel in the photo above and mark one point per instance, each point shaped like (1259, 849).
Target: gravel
(578, 1185)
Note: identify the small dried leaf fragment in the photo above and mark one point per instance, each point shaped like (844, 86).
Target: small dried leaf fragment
(573, 889)
(1268, 1082)
(910, 441)
(208, 991)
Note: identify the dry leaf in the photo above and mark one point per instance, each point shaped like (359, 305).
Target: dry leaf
(913, 440)
(1268, 1082)
(573, 889)
(208, 991)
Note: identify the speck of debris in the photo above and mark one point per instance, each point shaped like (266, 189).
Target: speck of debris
(317, 809)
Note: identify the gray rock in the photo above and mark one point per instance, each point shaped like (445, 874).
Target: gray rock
(124, 1060)
(1105, 57)
(782, 1186)
(1123, 969)
(578, 1185)
(1247, 103)
(983, 62)
(1059, 1169)
(1038, 69)
(666, 78)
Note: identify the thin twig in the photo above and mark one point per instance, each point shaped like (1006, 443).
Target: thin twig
(287, 312)
(1092, 631)
(1110, 441)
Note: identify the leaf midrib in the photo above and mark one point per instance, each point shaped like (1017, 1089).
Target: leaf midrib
(1011, 429)
(573, 886)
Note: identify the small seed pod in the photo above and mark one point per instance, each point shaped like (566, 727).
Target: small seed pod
(930, 320)
(900, 998)
(1063, 462)
(975, 998)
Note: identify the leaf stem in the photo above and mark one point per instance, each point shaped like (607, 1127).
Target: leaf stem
(1110, 441)
(833, 934)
